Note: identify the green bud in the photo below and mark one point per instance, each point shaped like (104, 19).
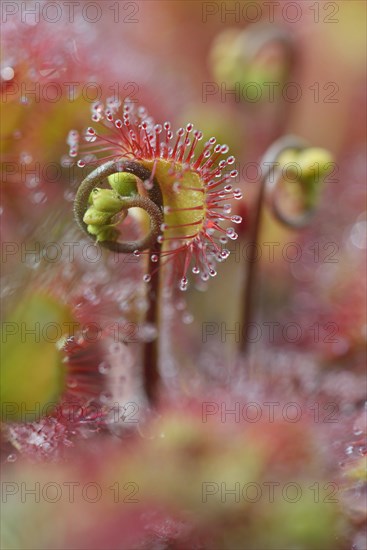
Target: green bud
(312, 164)
(123, 183)
(315, 163)
(95, 217)
(106, 200)
(288, 159)
(310, 167)
(94, 229)
(108, 233)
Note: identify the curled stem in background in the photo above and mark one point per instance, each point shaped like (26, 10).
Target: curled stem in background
(261, 35)
(153, 205)
(257, 63)
(272, 176)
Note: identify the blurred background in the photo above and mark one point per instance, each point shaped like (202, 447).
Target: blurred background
(246, 73)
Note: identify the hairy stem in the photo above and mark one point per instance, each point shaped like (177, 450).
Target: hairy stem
(151, 348)
(153, 205)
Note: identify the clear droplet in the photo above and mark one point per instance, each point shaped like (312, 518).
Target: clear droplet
(231, 233)
(11, 458)
(116, 348)
(39, 197)
(187, 318)
(32, 182)
(148, 332)
(105, 396)
(7, 73)
(104, 367)
(183, 284)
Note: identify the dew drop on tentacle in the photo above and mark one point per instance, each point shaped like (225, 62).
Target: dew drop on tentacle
(187, 318)
(183, 283)
(72, 383)
(230, 232)
(105, 396)
(180, 304)
(148, 332)
(11, 457)
(73, 142)
(104, 367)
(39, 197)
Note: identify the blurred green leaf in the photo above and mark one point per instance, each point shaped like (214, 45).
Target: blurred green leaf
(32, 372)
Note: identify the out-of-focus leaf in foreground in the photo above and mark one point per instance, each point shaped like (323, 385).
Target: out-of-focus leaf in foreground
(32, 372)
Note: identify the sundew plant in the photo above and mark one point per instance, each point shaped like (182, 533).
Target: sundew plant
(183, 275)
